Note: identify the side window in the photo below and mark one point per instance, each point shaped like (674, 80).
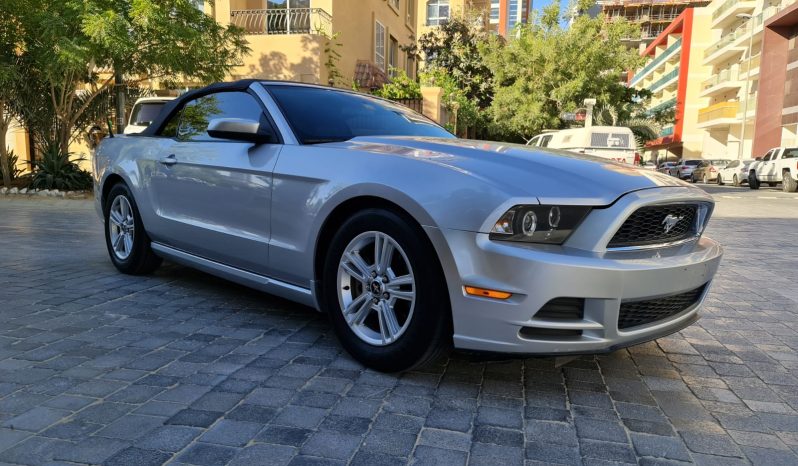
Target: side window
(790, 154)
(544, 141)
(534, 141)
(170, 129)
(767, 156)
(198, 113)
(734, 164)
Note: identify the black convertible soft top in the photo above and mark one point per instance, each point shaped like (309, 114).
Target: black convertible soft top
(172, 106)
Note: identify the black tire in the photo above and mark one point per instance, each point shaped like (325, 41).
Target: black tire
(720, 180)
(736, 181)
(428, 335)
(753, 182)
(789, 184)
(141, 260)
(692, 179)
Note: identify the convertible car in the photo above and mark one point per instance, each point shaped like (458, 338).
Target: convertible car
(411, 240)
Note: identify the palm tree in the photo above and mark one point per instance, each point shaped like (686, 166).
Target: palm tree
(645, 128)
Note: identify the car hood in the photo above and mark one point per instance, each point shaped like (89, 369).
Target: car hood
(550, 175)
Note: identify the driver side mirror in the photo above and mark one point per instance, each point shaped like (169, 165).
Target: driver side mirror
(241, 129)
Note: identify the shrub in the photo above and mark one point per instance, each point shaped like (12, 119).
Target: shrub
(13, 159)
(58, 170)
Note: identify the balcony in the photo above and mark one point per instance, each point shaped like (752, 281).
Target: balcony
(720, 114)
(754, 67)
(728, 11)
(723, 81)
(663, 106)
(282, 21)
(726, 47)
(656, 62)
(666, 80)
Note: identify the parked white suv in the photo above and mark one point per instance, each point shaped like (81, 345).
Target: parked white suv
(779, 165)
(144, 112)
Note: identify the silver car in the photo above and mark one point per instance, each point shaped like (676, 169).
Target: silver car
(410, 239)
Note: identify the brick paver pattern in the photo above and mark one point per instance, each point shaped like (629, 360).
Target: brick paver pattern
(182, 367)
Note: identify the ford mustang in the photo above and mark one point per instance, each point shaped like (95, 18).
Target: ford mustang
(409, 239)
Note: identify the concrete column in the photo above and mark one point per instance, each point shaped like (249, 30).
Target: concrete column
(433, 103)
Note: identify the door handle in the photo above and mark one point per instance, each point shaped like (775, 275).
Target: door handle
(168, 160)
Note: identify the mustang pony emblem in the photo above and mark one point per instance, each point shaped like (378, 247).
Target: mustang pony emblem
(670, 221)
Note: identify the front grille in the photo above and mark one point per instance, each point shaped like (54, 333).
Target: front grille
(637, 313)
(647, 226)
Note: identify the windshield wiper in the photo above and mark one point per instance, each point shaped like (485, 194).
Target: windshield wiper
(324, 140)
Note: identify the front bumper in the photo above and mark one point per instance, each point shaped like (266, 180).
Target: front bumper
(537, 274)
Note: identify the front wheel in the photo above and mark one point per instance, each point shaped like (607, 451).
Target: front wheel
(720, 180)
(706, 179)
(753, 182)
(736, 181)
(127, 242)
(385, 292)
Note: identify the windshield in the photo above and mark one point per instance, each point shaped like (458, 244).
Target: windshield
(319, 115)
(145, 113)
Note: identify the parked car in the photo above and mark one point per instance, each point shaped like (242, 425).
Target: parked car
(736, 172)
(609, 142)
(684, 168)
(707, 170)
(779, 165)
(666, 168)
(144, 111)
(407, 237)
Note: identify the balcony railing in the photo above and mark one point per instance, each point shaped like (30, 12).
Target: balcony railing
(718, 111)
(724, 8)
(282, 21)
(720, 78)
(656, 62)
(752, 26)
(664, 80)
(663, 106)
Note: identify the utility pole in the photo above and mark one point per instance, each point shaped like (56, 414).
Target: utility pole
(589, 104)
(747, 83)
(119, 87)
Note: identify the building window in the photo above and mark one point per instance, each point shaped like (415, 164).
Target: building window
(437, 12)
(410, 66)
(379, 45)
(411, 13)
(393, 56)
(394, 4)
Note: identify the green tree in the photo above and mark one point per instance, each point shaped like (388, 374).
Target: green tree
(400, 87)
(546, 69)
(74, 49)
(453, 47)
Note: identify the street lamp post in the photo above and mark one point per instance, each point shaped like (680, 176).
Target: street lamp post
(747, 83)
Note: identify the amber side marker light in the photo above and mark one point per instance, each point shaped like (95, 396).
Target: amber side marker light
(485, 293)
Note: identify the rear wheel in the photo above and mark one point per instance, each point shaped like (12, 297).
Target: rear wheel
(127, 242)
(753, 182)
(385, 292)
(789, 184)
(706, 178)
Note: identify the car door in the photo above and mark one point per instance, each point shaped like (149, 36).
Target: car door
(213, 196)
(764, 172)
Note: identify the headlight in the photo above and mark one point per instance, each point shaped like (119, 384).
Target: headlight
(549, 224)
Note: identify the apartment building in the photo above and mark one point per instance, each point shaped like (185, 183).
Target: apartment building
(673, 74)
(653, 16)
(501, 16)
(777, 107)
(733, 91)
(288, 38)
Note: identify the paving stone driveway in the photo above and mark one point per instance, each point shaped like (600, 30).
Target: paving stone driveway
(181, 367)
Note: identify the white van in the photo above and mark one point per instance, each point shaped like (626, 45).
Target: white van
(144, 112)
(610, 142)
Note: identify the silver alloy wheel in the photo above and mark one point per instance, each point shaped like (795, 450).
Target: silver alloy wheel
(377, 289)
(121, 227)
